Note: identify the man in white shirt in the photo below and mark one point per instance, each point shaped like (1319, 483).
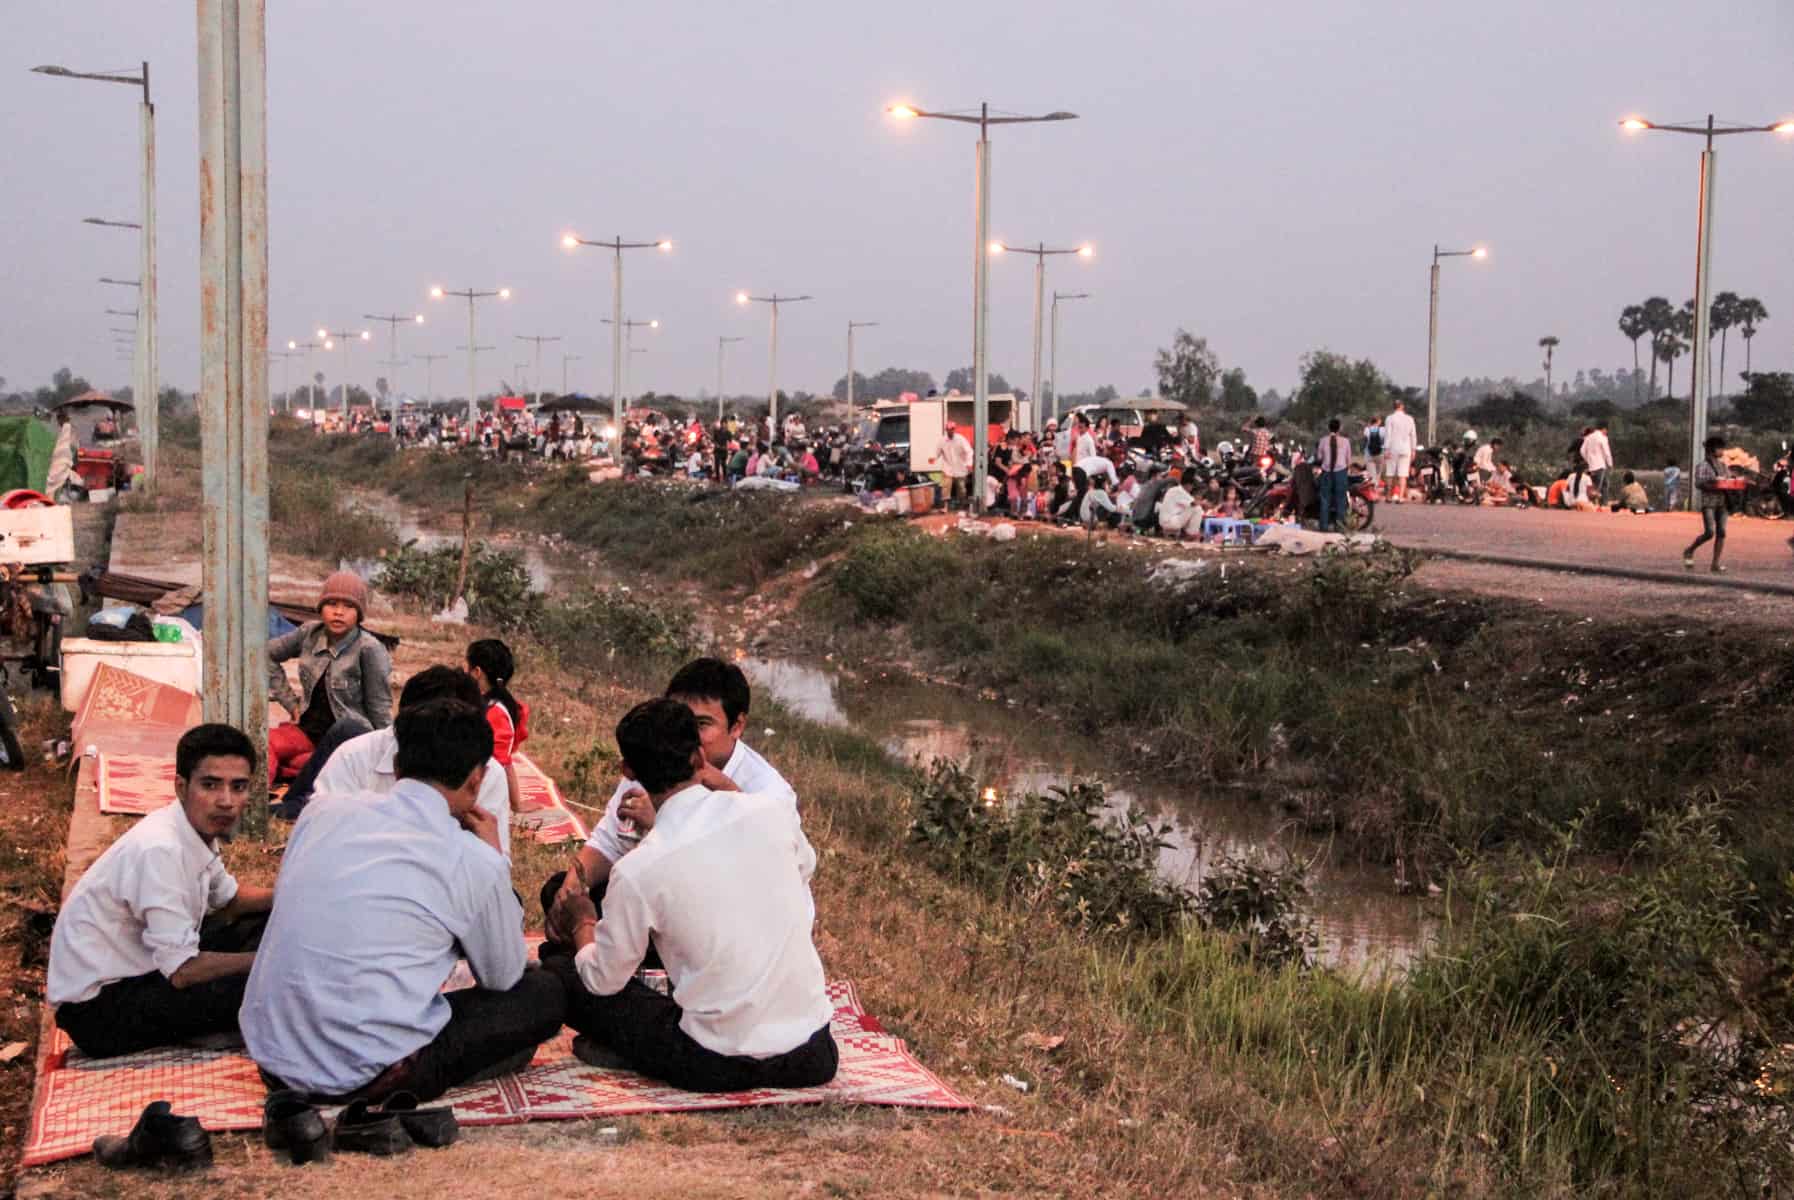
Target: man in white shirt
(153, 944)
(1484, 460)
(367, 763)
(1399, 443)
(718, 696)
(1597, 455)
(379, 897)
(1096, 465)
(721, 884)
(1083, 443)
(1178, 509)
(955, 458)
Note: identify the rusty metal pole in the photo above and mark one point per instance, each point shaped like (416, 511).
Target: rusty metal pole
(233, 230)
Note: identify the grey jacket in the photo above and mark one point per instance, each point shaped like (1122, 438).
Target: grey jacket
(360, 673)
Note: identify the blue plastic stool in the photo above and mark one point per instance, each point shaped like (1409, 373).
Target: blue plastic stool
(1230, 530)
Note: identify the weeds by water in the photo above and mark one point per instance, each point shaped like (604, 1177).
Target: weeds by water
(309, 515)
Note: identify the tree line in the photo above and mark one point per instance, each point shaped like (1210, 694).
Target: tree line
(1671, 332)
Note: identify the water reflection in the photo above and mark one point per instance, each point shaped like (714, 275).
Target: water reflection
(1362, 923)
(410, 529)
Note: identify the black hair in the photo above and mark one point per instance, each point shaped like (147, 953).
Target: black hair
(1333, 425)
(441, 741)
(495, 658)
(657, 739)
(712, 679)
(1630, 478)
(1713, 443)
(211, 741)
(439, 683)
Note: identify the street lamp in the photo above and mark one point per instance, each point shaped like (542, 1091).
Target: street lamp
(1054, 365)
(306, 348)
(617, 245)
(538, 374)
(1040, 253)
(146, 382)
(1703, 258)
(286, 382)
(772, 384)
(393, 321)
(430, 361)
(519, 369)
(346, 337)
(565, 359)
(473, 349)
(851, 326)
(1432, 335)
(980, 267)
(721, 344)
(629, 328)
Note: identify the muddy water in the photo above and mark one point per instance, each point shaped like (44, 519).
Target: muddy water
(1363, 924)
(412, 529)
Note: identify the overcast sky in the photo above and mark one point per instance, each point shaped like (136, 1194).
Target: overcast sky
(1270, 176)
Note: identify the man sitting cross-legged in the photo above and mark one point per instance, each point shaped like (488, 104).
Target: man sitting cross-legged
(154, 942)
(717, 694)
(721, 883)
(367, 763)
(379, 895)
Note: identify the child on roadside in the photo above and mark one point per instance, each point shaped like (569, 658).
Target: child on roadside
(492, 664)
(1230, 504)
(1632, 496)
(1672, 486)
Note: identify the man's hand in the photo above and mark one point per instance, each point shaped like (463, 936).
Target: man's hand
(713, 778)
(482, 825)
(571, 911)
(635, 806)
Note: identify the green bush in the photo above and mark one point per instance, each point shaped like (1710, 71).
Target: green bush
(609, 623)
(499, 591)
(308, 515)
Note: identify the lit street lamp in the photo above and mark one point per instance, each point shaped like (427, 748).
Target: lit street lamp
(347, 337)
(146, 382)
(722, 344)
(772, 384)
(430, 361)
(473, 349)
(1040, 254)
(1053, 365)
(286, 383)
(1432, 336)
(629, 328)
(393, 321)
(305, 348)
(1703, 259)
(565, 359)
(617, 360)
(537, 376)
(980, 268)
(851, 326)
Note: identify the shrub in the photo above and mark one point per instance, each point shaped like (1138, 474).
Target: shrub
(611, 623)
(499, 591)
(1265, 904)
(308, 516)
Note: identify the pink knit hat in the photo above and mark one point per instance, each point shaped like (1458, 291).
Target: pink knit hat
(347, 587)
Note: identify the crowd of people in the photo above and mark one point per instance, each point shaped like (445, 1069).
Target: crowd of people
(397, 868)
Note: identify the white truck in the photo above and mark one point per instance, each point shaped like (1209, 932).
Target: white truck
(910, 432)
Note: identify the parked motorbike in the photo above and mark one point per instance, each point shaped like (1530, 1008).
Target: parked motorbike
(1279, 496)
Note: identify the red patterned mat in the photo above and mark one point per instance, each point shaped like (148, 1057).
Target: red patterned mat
(541, 809)
(79, 1098)
(135, 784)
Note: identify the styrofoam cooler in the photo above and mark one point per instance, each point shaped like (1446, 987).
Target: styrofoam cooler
(174, 663)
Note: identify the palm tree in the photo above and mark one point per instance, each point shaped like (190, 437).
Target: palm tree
(1722, 314)
(1659, 319)
(1549, 343)
(1676, 341)
(1750, 313)
(1633, 327)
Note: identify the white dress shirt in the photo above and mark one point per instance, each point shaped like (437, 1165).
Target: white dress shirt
(1398, 434)
(1597, 452)
(1096, 465)
(721, 884)
(1086, 447)
(955, 455)
(746, 768)
(138, 908)
(367, 764)
(378, 897)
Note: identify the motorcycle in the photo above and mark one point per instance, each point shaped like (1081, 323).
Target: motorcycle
(1279, 496)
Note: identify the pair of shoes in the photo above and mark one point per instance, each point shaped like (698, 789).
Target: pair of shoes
(394, 1126)
(292, 1123)
(159, 1139)
(1688, 562)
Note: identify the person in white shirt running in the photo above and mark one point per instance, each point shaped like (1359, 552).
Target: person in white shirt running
(1399, 443)
(721, 883)
(718, 695)
(955, 459)
(154, 942)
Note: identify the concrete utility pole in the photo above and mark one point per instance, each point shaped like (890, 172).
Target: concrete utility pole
(430, 361)
(473, 347)
(286, 375)
(393, 321)
(617, 354)
(537, 377)
(851, 326)
(722, 343)
(772, 373)
(233, 393)
(1040, 253)
(1053, 364)
(565, 359)
(1432, 336)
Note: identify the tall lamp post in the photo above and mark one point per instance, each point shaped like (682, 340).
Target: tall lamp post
(616, 245)
(304, 348)
(393, 321)
(145, 388)
(980, 267)
(722, 343)
(629, 328)
(473, 349)
(286, 375)
(537, 377)
(851, 326)
(1432, 336)
(565, 359)
(346, 337)
(1054, 364)
(430, 361)
(772, 381)
(1040, 253)
(1703, 259)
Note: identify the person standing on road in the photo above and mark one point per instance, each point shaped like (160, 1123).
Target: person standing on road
(1373, 447)
(1711, 500)
(955, 457)
(1334, 455)
(1672, 486)
(1597, 456)
(1398, 449)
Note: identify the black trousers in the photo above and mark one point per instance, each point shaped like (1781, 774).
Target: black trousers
(551, 889)
(486, 1029)
(642, 1026)
(146, 1011)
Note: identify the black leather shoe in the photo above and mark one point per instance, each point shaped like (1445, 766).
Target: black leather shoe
(159, 1139)
(364, 1130)
(291, 1123)
(432, 1127)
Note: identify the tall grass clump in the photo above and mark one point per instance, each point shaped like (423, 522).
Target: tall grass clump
(308, 515)
(498, 588)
